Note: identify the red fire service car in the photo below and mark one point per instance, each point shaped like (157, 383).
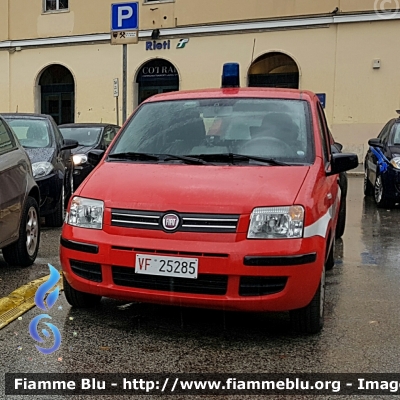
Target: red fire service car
(224, 198)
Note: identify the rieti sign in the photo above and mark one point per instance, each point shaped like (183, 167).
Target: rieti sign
(165, 45)
(154, 45)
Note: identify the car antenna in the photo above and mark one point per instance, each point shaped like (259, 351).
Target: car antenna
(17, 109)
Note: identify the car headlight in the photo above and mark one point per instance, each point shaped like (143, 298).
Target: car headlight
(42, 168)
(276, 223)
(86, 213)
(395, 162)
(79, 159)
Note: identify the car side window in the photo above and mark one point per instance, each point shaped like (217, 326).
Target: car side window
(7, 142)
(59, 136)
(109, 135)
(384, 135)
(323, 130)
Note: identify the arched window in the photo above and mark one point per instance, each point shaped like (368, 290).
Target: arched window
(57, 90)
(274, 70)
(156, 76)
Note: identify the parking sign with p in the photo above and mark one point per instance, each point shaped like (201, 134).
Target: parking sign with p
(124, 16)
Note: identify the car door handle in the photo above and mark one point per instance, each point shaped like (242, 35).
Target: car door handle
(329, 196)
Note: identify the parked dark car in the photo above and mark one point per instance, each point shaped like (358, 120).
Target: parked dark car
(19, 199)
(51, 161)
(382, 166)
(90, 136)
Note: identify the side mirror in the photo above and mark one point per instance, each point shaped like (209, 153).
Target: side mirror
(376, 143)
(336, 147)
(69, 144)
(342, 162)
(339, 146)
(95, 156)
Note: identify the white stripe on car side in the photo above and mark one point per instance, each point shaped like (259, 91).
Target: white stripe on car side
(319, 227)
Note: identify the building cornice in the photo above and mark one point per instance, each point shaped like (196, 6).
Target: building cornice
(212, 29)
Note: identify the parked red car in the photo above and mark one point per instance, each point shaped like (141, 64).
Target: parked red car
(225, 198)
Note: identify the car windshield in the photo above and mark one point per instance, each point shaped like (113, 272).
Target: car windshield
(85, 136)
(396, 134)
(31, 133)
(274, 129)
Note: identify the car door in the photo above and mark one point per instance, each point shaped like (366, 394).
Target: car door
(14, 169)
(329, 191)
(371, 159)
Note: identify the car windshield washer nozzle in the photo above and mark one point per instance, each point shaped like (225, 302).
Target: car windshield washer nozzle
(230, 75)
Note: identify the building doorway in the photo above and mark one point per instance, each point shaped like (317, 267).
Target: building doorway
(156, 76)
(274, 70)
(57, 91)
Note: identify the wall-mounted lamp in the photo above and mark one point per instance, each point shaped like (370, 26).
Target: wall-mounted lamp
(155, 34)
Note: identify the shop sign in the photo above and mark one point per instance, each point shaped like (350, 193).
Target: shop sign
(158, 71)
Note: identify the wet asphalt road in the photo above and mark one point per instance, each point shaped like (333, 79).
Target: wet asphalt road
(362, 320)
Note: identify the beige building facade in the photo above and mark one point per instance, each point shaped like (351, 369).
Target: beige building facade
(56, 56)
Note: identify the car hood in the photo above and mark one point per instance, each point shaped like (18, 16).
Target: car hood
(82, 149)
(41, 154)
(193, 188)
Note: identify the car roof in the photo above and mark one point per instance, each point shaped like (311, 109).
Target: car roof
(26, 115)
(86, 125)
(263, 93)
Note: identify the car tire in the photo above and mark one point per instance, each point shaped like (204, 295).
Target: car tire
(310, 319)
(79, 299)
(341, 222)
(380, 195)
(56, 219)
(23, 252)
(368, 187)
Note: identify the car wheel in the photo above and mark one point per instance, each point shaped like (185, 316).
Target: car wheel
(310, 319)
(79, 299)
(341, 222)
(368, 188)
(380, 195)
(57, 218)
(24, 251)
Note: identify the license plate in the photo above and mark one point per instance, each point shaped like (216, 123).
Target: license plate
(179, 267)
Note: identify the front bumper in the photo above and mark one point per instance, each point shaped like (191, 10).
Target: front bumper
(234, 274)
(50, 191)
(391, 183)
(80, 173)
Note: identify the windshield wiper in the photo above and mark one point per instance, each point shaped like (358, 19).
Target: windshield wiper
(232, 158)
(134, 156)
(186, 159)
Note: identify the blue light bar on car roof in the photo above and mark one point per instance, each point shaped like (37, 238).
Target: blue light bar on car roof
(230, 75)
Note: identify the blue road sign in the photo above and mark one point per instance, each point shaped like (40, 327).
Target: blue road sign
(322, 98)
(124, 16)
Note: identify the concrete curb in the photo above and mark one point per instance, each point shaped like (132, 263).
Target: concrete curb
(21, 300)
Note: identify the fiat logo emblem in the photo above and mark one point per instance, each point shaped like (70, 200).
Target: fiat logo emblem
(170, 222)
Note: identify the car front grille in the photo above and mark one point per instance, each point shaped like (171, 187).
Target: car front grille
(261, 286)
(204, 284)
(89, 271)
(208, 223)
